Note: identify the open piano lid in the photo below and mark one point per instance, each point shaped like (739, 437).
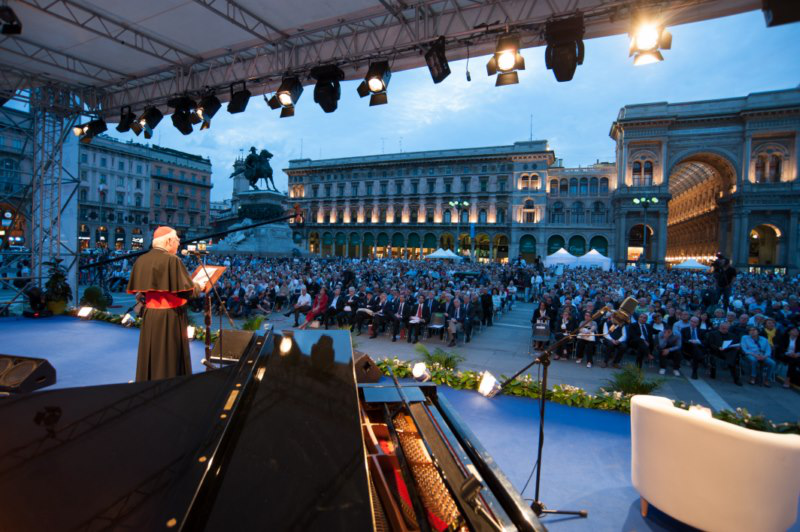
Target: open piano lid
(273, 442)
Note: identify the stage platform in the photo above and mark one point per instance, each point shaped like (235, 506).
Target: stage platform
(586, 453)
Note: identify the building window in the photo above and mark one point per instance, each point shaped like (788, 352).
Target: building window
(465, 184)
(557, 213)
(484, 184)
(383, 188)
(103, 162)
(121, 166)
(84, 194)
(429, 216)
(341, 190)
(563, 188)
(482, 216)
(138, 200)
(501, 215)
(157, 201)
(501, 184)
(139, 169)
(465, 216)
(578, 215)
(415, 187)
(448, 187)
(398, 187)
(573, 187)
(170, 172)
(84, 158)
(314, 191)
(327, 191)
(446, 217)
(584, 191)
(103, 179)
(598, 213)
(431, 186)
(593, 186)
(120, 198)
(528, 212)
(604, 186)
(138, 184)
(158, 186)
(369, 189)
(648, 174)
(554, 187)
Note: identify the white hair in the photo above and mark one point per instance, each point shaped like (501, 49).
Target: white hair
(161, 242)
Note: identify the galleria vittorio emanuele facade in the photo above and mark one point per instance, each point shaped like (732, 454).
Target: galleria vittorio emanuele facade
(701, 177)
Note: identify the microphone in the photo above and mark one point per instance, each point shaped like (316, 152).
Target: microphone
(193, 249)
(623, 315)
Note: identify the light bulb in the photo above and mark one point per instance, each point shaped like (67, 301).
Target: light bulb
(506, 60)
(375, 84)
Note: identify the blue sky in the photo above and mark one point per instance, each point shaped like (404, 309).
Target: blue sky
(720, 58)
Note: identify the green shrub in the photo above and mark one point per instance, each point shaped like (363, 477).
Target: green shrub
(631, 381)
(57, 288)
(93, 297)
(253, 323)
(445, 359)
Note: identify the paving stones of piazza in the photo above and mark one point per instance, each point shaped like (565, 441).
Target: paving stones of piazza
(723, 172)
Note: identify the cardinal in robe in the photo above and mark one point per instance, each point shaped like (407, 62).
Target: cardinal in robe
(163, 340)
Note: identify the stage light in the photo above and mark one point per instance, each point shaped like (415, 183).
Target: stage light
(128, 320)
(777, 12)
(208, 107)
(183, 117)
(239, 99)
(506, 60)
(190, 332)
(375, 83)
(437, 61)
(286, 342)
(420, 372)
(86, 132)
(147, 122)
(286, 96)
(647, 38)
(564, 50)
(11, 24)
(126, 119)
(85, 312)
(488, 386)
(327, 91)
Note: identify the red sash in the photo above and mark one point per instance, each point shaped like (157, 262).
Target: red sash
(162, 300)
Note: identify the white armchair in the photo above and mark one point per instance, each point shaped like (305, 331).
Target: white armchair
(711, 474)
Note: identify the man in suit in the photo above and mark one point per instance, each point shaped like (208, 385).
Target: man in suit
(640, 339)
(418, 320)
(470, 310)
(693, 340)
(399, 315)
(432, 303)
(723, 344)
(365, 312)
(383, 314)
(486, 307)
(455, 319)
(352, 303)
(334, 308)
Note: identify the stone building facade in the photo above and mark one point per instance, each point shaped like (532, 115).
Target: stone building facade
(721, 175)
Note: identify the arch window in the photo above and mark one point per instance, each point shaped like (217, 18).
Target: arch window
(564, 187)
(465, 216)
(599, 215)
(637, 173)
(760, 166)
(648, 174)
(557, 213)
(447, 217)
(593, 186)
(534, 182)
(554, 187)
(528, 212)
(774, 168)
(604, 186)
(501, 215)
(573, 186)
(523, 182)
(584, 191)
(482, 216)
(578, 214)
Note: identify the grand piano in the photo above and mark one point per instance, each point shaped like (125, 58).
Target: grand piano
(284, 439)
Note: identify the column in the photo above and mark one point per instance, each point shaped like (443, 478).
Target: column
(792, 261)
(661, 249)
(745, 177)
(739, 258)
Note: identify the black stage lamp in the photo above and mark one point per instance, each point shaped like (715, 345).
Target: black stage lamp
(564, 50)
(648, 37)
(506, 60)
(239, 99)
(86, 132)
(126, 119)
(184, 115)
(437, 61)
(375, 83)
(327, 91)
(147, 122)
(209, 105)
(286, 96)
(777, 12)
(11, 24)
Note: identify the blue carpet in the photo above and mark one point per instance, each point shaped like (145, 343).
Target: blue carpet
(586, 459)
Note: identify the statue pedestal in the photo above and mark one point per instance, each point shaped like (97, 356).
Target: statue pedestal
(251, 207)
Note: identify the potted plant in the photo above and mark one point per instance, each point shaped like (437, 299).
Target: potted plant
(57, 289)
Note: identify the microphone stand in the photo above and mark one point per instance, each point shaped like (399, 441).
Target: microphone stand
(537, 505)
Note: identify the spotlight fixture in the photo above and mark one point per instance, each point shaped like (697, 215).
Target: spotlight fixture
(208, 107)
(128, 320)
(184, 115)
(190, 332)
(239, 99)
(126, 119)
(327, 91)
(647, 37)
(86, 132)
(488, 385)
(286, 342)
(437, 61)
(564, 50)
(506, 60)
(286, 96)
(9, 22)
(147, 122)
(420, 372)
(85, 312)
(777, 12)
(375, 82)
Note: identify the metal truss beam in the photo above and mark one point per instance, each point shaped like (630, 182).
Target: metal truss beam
(244, 19)
(119, 32)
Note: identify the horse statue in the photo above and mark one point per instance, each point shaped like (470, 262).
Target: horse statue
(257, 167)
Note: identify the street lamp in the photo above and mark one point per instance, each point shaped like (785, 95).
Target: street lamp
(458, 205)
(645, 204)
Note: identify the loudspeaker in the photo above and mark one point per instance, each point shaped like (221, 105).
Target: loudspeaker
(24, 374)
(233, 344)
(366, 370)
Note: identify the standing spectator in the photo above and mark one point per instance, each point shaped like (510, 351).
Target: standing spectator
(487, 308)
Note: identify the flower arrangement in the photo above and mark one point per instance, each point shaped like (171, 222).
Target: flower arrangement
(568, 395)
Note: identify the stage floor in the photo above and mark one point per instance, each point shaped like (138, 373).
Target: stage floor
(586, 461)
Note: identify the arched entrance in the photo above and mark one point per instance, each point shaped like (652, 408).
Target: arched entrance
(764, 249)
(697, 183)
(428, 244)
(340, 249)
(599, 244)
(554, 243)
(501, 248)
(464, 245)
(119, 238)
(327, 244)
(353, 250)
(577, 246)
(636, 243)
(313, 242)
(84, 236)
(101, 237)
(398, 245)
(527, 248)
(137, 239)
(482, 247)
(413, 246)
(383, 245)
(446, 241)
(369, 246)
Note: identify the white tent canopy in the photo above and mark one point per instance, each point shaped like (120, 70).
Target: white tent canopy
(594, 259)
(438, 254)
(562, 256)
(691, 264)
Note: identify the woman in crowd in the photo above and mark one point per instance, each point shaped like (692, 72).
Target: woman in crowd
(317, 309)
(586, 340)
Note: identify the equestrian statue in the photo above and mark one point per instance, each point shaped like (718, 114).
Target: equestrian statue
(257, 167)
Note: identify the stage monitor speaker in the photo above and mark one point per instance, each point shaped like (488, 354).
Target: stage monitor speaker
(233, 344)
(366, 369)
(25, 374)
